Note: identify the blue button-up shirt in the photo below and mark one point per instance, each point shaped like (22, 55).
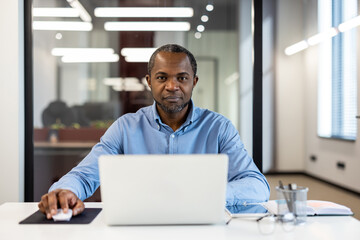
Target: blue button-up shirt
(143, 132)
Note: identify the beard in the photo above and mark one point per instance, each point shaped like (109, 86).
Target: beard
(172, 108)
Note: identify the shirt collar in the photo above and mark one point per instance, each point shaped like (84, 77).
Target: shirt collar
(189, 119)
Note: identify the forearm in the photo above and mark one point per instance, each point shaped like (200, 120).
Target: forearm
(75, 183)
(245, 182)
(83, 179)
(251, 188)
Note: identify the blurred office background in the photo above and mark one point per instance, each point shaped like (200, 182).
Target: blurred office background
(85, 78)
(310, 80)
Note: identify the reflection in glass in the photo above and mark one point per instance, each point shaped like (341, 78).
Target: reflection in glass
(85, 79)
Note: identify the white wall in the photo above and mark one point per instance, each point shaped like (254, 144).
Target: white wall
(327, 151)
(11, 102)
(289, 89)
(296, 104)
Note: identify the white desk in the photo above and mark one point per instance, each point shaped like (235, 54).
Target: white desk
(325, 228)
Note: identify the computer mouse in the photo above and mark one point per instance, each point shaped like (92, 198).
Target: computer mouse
(61, 216)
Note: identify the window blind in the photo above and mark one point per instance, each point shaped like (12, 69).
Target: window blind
(337, 91)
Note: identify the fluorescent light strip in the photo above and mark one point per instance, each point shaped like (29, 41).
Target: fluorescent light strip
(137, 54)
(320, 37)
(81, 51)
(62, 26)
(147, 26)
(316, 39)
(89, 58)
(84, 15)
(126, 84)
(120, 81)
(55, 12)
(144, 12)
(354, 22)
(137, 59)
(137, 51)
(112, 81)
(129, 88)
(297, 47)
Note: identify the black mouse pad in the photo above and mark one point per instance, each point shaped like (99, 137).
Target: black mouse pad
(85, 217)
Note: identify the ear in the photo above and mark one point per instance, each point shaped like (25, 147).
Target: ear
(195, 81)
(148, 80)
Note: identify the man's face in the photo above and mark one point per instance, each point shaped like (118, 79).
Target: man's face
(172, 81)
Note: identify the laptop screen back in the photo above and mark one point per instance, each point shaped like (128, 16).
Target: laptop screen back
(163, 189)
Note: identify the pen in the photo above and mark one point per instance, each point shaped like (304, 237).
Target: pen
(293, 187)
(281, 184)
(288, 203)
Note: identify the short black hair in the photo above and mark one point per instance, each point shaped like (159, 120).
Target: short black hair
(174, 48)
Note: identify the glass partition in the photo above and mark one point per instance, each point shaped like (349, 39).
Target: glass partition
(90, 59)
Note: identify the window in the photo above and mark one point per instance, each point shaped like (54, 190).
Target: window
(337, 95)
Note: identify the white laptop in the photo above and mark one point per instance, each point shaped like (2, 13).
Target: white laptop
(163, 189)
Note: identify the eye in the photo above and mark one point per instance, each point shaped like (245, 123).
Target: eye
(182, 78)
(161, 78)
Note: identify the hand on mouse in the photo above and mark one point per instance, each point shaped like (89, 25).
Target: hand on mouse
(64, 198)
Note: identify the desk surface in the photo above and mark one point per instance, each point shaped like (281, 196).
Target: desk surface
(316, 228)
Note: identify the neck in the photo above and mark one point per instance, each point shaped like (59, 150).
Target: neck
(173, 120)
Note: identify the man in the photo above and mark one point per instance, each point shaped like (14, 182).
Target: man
(172, 125)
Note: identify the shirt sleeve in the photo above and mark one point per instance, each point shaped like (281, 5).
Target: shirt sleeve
(83, 179)
(246, 184)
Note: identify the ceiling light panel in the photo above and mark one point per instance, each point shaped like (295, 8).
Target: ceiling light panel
(84, 15)
(142, 12)
(354, 22)
(81, 51)
(91, 58)
(137, 54)
(120, 81)
(297, 47)
(137, 59)
(62, 26)
(147, 26)
(320, 37)
(55, 12)
(125, 84)
(129, 88)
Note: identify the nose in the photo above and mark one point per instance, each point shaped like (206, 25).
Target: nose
(172, 84)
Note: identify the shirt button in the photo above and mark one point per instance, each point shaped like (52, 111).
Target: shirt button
(173, 136)
(158, 126)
